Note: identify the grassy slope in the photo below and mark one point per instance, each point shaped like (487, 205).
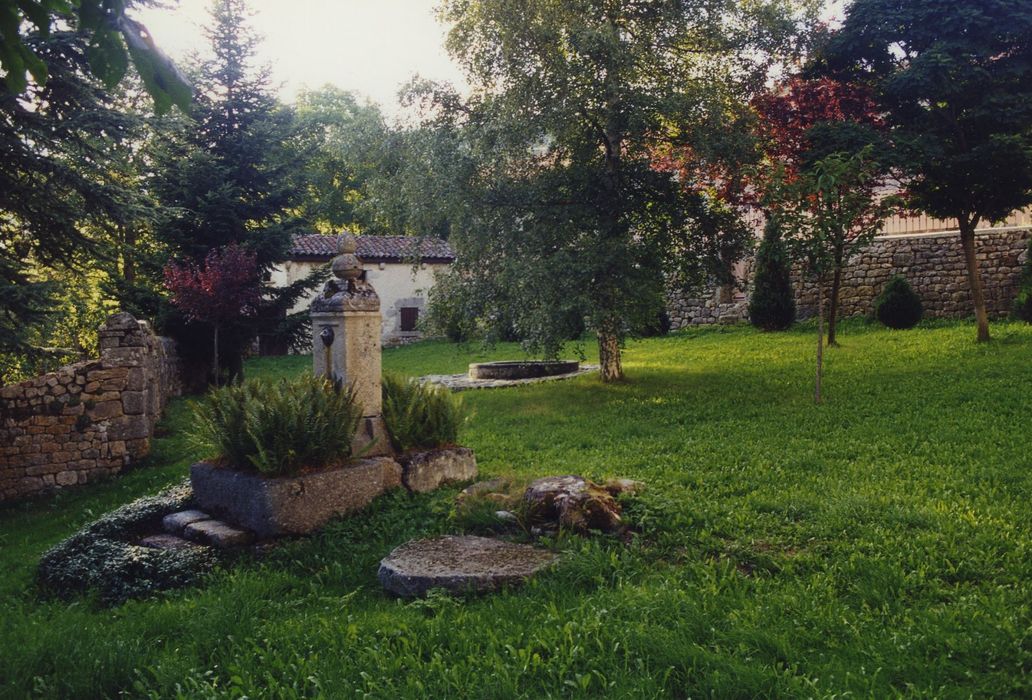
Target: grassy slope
(877, 545)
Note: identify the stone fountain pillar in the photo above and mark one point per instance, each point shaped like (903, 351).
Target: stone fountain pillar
(346, 343)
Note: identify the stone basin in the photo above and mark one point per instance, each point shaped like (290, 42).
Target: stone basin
(522, 369)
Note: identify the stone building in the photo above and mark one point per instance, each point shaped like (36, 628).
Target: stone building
(401, 268)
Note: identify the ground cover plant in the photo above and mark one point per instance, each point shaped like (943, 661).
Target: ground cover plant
(868, 547)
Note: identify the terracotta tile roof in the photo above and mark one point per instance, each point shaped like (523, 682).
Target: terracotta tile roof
(315, 246)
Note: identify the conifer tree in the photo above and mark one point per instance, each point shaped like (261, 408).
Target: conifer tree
(224, 173)
(772, 303)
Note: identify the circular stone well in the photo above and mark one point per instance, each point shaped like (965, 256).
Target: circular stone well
(459, 565)
(527, 369)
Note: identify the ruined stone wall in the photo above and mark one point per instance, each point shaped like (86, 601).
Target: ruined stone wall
(90, 419)
(932, 263)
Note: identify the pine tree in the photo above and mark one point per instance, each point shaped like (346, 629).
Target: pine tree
(59, 196)
(225, 173)
(772, 304)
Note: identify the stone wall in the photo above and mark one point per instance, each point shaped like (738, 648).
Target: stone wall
(934, 266)
(90, 419)
(932, 263)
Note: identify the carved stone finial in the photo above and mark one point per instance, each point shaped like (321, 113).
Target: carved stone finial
(346, 243)
(347, 265)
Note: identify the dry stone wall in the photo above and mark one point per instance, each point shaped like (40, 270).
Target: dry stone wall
(933, 264)
(90, 419)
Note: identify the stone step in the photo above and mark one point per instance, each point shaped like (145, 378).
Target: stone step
(217, 534)
(174, 523)
(165, 541)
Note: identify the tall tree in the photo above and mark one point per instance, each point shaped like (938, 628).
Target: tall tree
(224, 174)
(59, 196)
(346, 142)
(955, 79)
(568, 215)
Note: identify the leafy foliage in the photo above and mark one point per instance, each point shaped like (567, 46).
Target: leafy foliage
(61, 189)
(103, 557)
(420, 416)
(114, 39)
(772, 302)
(898, 305)
(955, 82)
(561, 212)
(278, 427)
(1023, 302)
(225, 288)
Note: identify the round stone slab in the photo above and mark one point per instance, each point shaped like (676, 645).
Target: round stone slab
(459, 565)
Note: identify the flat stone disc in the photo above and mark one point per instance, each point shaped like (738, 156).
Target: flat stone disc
(459, 565)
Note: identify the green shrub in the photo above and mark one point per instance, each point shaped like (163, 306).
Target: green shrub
(772, 304)
(898, 306)
(278, 427)
(102, 556)
(420, 416)
(1023, 303)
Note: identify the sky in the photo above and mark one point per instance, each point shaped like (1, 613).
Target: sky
(371, 47)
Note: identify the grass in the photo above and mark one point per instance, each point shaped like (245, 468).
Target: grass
(876, 546)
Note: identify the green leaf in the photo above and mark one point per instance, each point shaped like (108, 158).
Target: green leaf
(107, 57)
(162, 79)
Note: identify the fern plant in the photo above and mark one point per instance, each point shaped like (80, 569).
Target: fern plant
(278, 427)
(420, 416)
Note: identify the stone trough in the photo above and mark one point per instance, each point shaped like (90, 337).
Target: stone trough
(522, 369)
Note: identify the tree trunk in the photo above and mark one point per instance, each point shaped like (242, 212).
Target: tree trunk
(820, 342)
(215, 360)
(967, 240)
(836, 285)
(610, 366)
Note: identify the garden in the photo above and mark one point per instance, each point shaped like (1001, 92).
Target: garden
(875, 545)
(668, 349)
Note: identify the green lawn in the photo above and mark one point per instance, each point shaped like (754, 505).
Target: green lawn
(879, 545)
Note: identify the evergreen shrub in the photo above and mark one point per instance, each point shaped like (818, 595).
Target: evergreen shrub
(278, 427)
(772, 304)
(898, 306)
(420, 416)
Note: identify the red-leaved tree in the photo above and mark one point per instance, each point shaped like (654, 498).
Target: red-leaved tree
(801, 123)
(222, 290)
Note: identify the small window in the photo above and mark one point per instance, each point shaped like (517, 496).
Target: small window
(409, 318)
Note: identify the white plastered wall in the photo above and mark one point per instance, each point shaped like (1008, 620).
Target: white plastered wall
(397, 284)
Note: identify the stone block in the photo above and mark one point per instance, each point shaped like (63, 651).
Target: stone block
(105, 410)
(67, 478)
(392, 473)
(134, 402)
(426, 471)
(217, 534)
(294, 505)
(175, 523)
